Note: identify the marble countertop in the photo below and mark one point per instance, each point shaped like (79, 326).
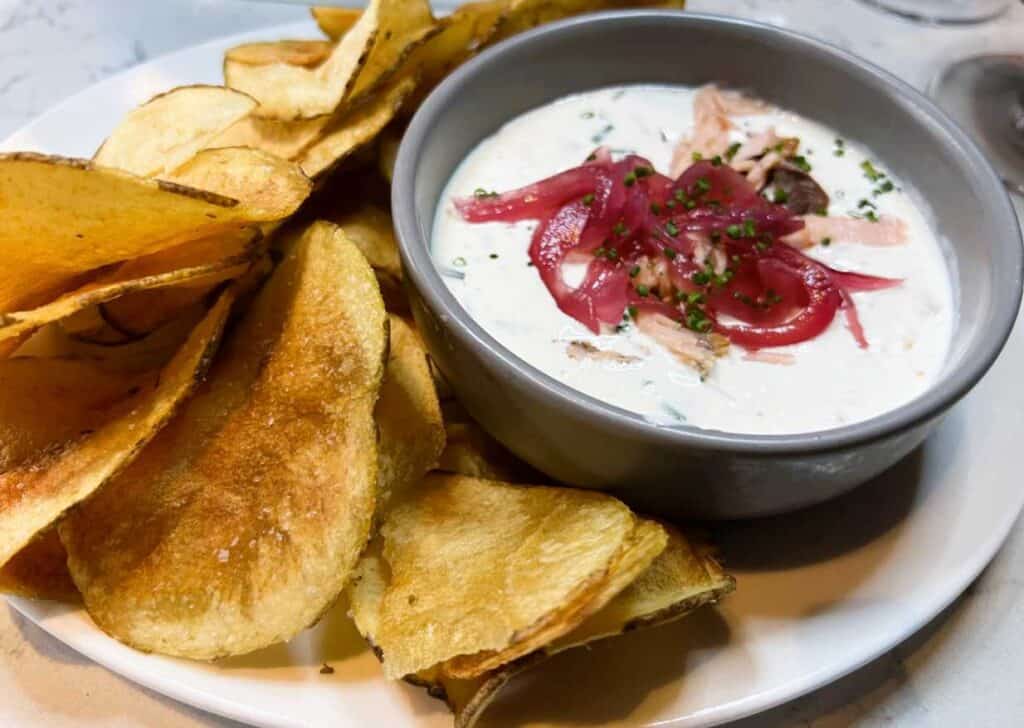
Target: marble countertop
(962, 669)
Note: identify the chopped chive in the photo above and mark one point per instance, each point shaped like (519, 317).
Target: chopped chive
(630, 179)
(631, 311)
(655, 208)
(591, 157)
(864, 202)
(839, 152)
(634, 271)
(701, 278)
(679, 195)
(697, 156)
(731, 151)
(643, 171)
(620, 228)
(600, 252)
(871, 215)
(588, 199)
(702, 184)
(670, 204)
(886, 186)
(749, 229)
(826, 241)
(612, 254)
(870, 171)
(733, 231)
(671, 228)
(801, 163)
(669, 253)
(716, 161)
(779, 196)
(493, 256)
(587, 115)
(642, 290)
(480, 193)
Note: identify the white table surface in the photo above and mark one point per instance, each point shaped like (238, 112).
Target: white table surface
(964, 669)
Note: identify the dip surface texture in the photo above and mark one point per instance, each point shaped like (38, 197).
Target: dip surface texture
(829, 381)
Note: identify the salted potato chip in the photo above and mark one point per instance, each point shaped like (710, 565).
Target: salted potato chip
(241, 522)
(370, 227)
(288, 92)
(62, 218)
(373, 47)
(404, 25)
(156, 138)
(460, 35)
(305, 53)
(408, 416)
(68, 427)
(471, 451)
(521, 15)
(355, 129)
(387, 152)
(173, 267)
(285, 139)
(268, 187)
(683, 578)
(465, 584)
(39, 571)
(335, 22)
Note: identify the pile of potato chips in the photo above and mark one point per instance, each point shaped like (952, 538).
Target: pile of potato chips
(216, 419)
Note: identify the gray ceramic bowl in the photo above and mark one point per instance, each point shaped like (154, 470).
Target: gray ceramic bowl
(682, 470)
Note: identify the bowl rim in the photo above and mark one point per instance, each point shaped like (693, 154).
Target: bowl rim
(414, 247)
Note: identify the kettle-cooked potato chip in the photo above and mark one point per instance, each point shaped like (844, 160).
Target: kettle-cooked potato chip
(68, 427)
(62, 218)
(372, 48)
(306, 53)
(40, 571)
(355, 129)
(162, 134)
(479, 571)
(408, 416)
(240, 523)
(335, 22)
(683, 578)
(201, 263)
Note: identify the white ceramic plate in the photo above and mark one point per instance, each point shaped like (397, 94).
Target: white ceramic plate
(820, 592)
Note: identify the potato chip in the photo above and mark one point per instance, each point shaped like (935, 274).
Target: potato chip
(408, 416)
(471, 451)
(683, 578)
(39, 571)
(374, 46)
(267, 187)
(335, 22)
(289, 92)
(387, 152)
(67, 427)
(478, 569)
(143, 274)
(404, 26)
(355, 129)
(241, 522)
(61, 218)
(461, 35)
(156, 138)
(370, 227)
(522, 15)
(305, 53)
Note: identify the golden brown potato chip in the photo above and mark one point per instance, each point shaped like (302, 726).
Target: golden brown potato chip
(335, 22)
(521, 15)
(370, 227)
(471, 451)
(374, 46)
(683, 578)
(404, 26)
(61, 218)
(641, 547)
(156, 138)
(268, 187)
(462, 560)
(140, 312)
(353, 130)
(305, 53)
(284, 139)
(67, 427)
(40, 571)
(288, 92)
(149, 273)
(460, 36)
(387, 152)
(408, 416)
(241, 522)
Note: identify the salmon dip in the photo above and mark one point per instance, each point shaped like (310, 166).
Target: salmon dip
(699, 257)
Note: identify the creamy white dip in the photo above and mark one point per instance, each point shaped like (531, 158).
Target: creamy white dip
(831, 381)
